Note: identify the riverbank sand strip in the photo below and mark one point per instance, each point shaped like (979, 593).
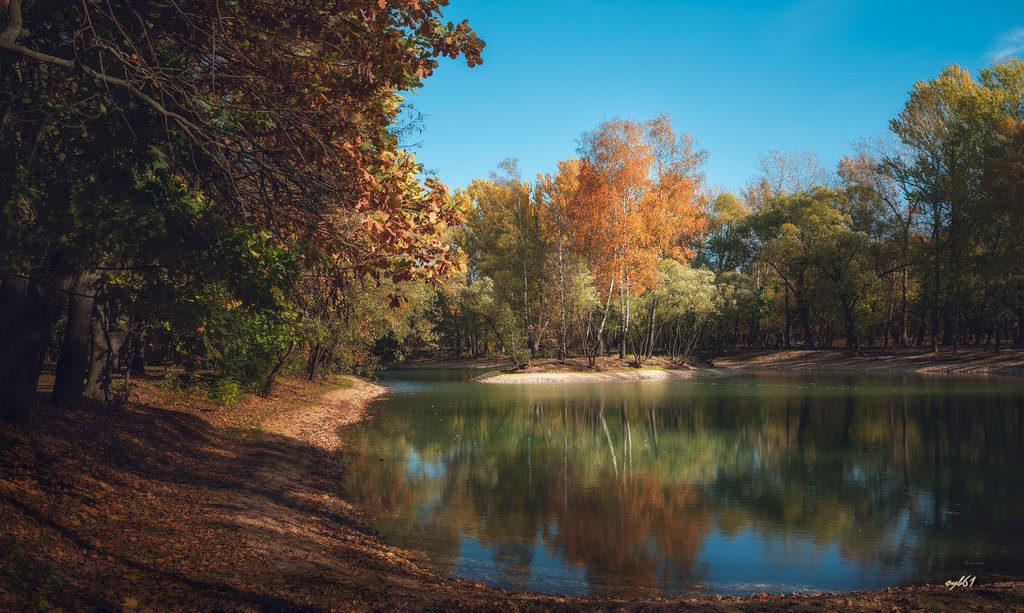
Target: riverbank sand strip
(969, 361)
(589, 377)
(318, 423)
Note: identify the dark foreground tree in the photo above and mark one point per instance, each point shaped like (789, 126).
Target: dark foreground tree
(277, 115)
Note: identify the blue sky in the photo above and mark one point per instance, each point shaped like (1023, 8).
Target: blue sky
(741, 77)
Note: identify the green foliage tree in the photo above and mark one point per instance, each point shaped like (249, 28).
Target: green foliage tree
(503, 242)
(674, 314)
(726, 245)
(480, 299)
(943, 127)
(811, 243)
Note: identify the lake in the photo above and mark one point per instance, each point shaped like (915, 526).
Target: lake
(778, 482)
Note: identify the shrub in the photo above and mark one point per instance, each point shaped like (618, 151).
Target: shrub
(170, 382)
(226, 391)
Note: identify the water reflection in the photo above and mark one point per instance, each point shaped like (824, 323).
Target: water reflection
(687, 487)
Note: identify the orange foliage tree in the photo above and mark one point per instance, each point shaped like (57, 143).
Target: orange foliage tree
(639, 200)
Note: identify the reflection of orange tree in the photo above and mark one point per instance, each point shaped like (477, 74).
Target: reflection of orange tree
(646, 532)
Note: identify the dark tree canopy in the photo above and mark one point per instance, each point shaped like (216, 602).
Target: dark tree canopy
(197, 143)
(281, 112)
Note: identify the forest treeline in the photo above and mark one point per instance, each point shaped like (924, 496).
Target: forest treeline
(912, 239)
(221, 187)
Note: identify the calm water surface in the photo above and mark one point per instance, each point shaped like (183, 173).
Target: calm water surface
(677, 488)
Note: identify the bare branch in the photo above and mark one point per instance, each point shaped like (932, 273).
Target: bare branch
(189, 126)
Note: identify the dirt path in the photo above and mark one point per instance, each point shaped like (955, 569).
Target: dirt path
(318, 423)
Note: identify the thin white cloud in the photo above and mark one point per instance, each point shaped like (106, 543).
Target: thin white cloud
(807, 18)
(1009, 43)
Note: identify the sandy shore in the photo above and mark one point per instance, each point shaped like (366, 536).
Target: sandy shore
(619, 375)
(318, 423)
(967, 361)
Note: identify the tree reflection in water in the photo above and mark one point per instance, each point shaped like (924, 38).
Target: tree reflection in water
(643, 489)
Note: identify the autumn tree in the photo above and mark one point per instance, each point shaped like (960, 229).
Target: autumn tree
(280, 115)
(638, 201)
(503, 242)
(941, 174)
(554, 195)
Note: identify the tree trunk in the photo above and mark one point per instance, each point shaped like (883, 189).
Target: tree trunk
(513, 355)
(691, 343)
(623, 320)
(73, 365)
(937, 277)
(804, 311)
(107, 339)
(889, 314)
(956, 299)
(16, 397)
(643, 352)
(787, 338)
(316, 353)
(28, 312)
(849, 325)
(137, 357)
(947, 327)
(96, 386)
(598, 341)
(563, 347)
(268, 385)
(904, 339)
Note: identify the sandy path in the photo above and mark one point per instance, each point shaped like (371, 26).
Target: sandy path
(970, 361)
(318, 423)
